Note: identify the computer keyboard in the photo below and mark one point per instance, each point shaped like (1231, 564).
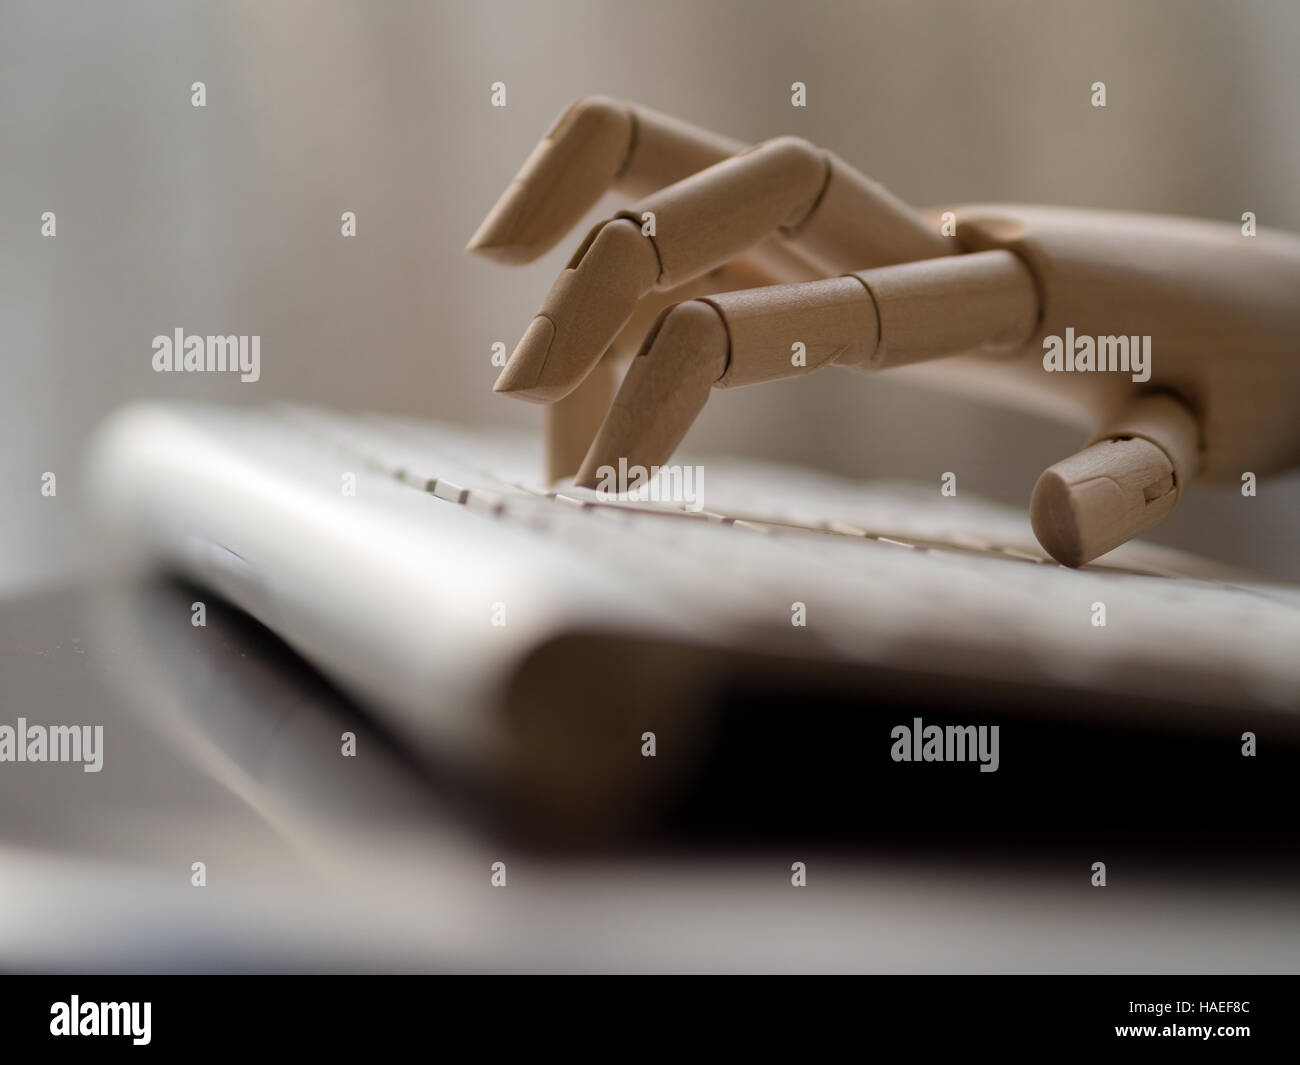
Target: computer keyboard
(394, 589)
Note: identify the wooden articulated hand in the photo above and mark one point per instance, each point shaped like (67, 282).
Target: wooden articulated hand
(1175, 343)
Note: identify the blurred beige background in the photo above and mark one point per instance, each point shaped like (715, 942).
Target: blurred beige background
(226, 219)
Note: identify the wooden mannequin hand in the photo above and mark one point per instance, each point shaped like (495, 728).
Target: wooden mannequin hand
(1175, 343)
